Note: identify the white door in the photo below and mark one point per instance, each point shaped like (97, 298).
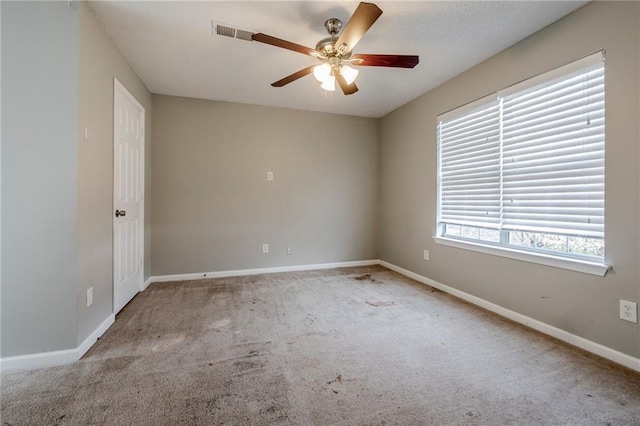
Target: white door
(128, 197)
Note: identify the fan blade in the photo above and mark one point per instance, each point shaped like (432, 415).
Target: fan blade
(347, 89)
(278, 42)
(293, 77)
(397, 61)
(361, 20)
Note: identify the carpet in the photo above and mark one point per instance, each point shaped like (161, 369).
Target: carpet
(348, 346)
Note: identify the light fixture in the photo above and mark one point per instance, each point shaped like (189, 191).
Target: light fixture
(326, 73)
(322, 72)
(349, 74)
(329, 84)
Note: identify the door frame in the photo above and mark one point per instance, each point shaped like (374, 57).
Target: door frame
(118, 86)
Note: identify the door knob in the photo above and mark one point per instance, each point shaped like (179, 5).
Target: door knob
(120, 213)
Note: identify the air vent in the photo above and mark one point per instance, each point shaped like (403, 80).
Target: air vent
(229, 31)
(244, 35)
(225, 31)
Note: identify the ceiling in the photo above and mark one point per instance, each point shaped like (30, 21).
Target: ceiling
(171, 47)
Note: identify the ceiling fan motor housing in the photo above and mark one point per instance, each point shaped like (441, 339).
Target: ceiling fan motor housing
(333, 26)
(327, 45)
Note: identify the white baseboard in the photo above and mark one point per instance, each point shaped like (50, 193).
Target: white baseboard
(55, 358)
(588, 345)
(51, 359)
(38, 360)
(146, 283)
(93, 337)
(244, 272)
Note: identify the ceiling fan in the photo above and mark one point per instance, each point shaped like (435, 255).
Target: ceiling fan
(336, 52)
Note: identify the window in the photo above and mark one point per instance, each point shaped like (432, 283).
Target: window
(522, 170)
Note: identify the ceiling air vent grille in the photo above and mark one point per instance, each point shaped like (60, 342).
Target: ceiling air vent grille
(244, 35)
(228, 31)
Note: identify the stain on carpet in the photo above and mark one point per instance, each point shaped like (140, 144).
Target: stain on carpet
(309, 320)
(366, 277)
(243, 366)
(337, 379)
(380, 303)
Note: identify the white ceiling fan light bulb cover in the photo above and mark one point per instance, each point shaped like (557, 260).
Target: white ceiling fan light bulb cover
(322, 72)
(329, 84)
(349, 74)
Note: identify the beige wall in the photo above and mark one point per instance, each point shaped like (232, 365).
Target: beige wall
(99, 62)
(213, 207)
(39, 197)
(581, 304)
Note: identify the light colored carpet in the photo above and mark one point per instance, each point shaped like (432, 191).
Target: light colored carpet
(357, 346)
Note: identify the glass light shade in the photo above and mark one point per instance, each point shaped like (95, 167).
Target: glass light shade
(322, 72)
(349, 74)
(329, 84)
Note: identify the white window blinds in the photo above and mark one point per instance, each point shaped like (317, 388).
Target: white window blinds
(470, 167)
(529, 158)
(553, 156)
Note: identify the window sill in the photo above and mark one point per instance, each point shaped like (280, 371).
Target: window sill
(541, 259)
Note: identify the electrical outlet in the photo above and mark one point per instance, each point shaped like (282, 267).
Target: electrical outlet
(426, 255)
(265, 248)
(89, 296)
(289, 250)
(269, 176)
(628, 311)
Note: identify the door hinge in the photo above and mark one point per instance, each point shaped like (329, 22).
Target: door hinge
(140, 261)
(73, 4)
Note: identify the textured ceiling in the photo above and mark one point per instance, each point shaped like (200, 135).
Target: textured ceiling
(171, 47)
